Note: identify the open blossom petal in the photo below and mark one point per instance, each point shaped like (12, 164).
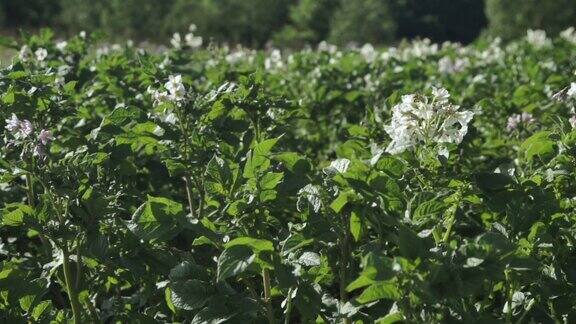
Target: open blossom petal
(45, 137)
(13, 123)
(26, 128)
(41, 54)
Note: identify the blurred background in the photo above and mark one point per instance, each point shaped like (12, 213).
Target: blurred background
(290, 23)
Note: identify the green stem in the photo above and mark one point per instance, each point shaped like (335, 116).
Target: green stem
(30, 190)
(508, 297)
(188, 182)
(267, 296)
(78, 267)
(449, 228)
(344, 242)
(288, 306)
(451, 221)
(72, 294)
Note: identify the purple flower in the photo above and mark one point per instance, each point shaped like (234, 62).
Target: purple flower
(45, 137)
(515, 120)
(26, 128)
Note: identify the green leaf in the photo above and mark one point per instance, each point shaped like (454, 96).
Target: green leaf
(257, 245)
(294, 162)
(356, 226)
(257, 159)
(168, 298)
(379, 290)
(41, 308)
(16, 214)
(538, 145)
(234, 261)
(189, 295)
(411, 245)
(157, 219)
(342, 200)
(390, 319)
(270, 180)
(429, 209)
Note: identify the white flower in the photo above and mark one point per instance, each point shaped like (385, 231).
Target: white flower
(492, 54)
(323, 46)
(61, 46)
(569, 35)
(420, 120)
(102, 50)
(25, 53)
(175, 87)
(26, 128)
(537, 38)
(193, 41)
(447, 65)
(13, 123)
(176, 41)
(519, 119)
(41, 54)
(572, 121)
(274, 61)
(572, 90)
(368, 52)
(82, 34)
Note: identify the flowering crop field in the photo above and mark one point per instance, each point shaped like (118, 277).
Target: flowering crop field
(425, 183)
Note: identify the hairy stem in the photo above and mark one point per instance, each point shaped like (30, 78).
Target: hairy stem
(267, 295)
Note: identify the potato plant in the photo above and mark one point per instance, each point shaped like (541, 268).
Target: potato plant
(423, 183)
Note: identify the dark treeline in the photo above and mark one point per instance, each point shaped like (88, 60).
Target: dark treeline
(292, 22)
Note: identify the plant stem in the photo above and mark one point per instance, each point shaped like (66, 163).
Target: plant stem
(72, 294)
(30, 190)
(451, 221)
(345, 238)
(288, 306)
(509, 293)
(188, 182)
(267, 295)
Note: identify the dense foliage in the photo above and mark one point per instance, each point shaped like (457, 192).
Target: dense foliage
(422, 184)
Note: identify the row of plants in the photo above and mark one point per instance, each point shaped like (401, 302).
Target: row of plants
(425, 183)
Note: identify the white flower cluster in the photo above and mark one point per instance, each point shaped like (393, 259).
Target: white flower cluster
(422, 120)
(537, 38)
(447, 65)
(190, 40)
(274, 61)
(175, 91)
(516, 120)
(26, 54)
(23, 129)
(368, 52)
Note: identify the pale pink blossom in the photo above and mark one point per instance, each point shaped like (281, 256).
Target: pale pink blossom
(45, 137)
